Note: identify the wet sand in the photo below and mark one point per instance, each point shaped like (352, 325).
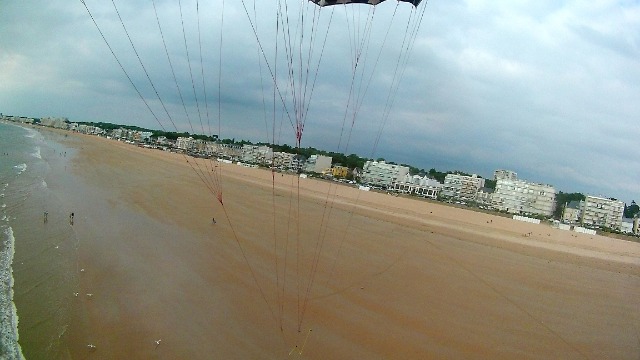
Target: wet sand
(396, 278)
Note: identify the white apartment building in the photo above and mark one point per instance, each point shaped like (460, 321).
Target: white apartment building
(379, 173)
(257, 154)
(288, 161)
(505, 175)
(185, 143)
(58, 123)
(598, 212)
(419, 185)
(318, 163)
(462, 187)
(522, 197)
(484, 197)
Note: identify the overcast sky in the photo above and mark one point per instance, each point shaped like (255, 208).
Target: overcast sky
(549, 89)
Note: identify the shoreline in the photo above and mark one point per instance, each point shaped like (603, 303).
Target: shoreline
(397, 277)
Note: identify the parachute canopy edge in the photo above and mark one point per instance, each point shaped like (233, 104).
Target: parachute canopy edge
(370, 2)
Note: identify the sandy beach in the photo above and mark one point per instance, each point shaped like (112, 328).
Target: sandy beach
(392, 277)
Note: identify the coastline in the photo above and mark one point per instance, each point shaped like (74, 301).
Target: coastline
(411, 279)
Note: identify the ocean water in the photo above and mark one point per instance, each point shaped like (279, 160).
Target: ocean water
(38, 258)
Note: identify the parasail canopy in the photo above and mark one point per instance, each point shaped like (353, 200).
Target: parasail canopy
(370, 2)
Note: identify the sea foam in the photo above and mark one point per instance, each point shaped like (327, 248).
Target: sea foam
(21, 168)
(36, 154)
(9, 346)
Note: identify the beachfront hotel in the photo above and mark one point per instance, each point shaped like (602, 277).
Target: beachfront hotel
(318, 164)
(505, 174)
(462, 187)
(523, 197)
(379, 173)
(419, 185)
(602, 212)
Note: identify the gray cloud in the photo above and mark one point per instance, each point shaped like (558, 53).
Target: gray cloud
(547, 89)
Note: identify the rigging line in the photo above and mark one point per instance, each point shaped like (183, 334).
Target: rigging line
(289, 56)
(359, 94)
(264, 104)
(273, 195)
(363, 278)
(505, 297)
(147, 73)
(402, 63)
(306, 101)
(264, 55)
(300, 315)
(204, 89)
(207, 185)
(343, 238)
(246, 260)
(375, 66)
(324, 43)
(186, 49)
(406, 55)
(220, 98)
(356, 53)
(389, 94)
(322, 233)
(300, 70)
(322, 237)
(286, 246)
(279, 298)
(175, 79)
(141, 63)
(122, 66)
(193, 86)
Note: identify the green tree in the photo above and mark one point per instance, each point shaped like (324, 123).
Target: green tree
(631, 210)
(565, 198)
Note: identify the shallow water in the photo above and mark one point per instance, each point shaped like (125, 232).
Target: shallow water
(38, 257)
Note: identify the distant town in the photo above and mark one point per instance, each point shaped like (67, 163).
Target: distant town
(505, 193)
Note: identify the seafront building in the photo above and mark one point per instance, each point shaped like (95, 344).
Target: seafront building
(339, 171)
(523, 197)
(185, 143)
(462, 187)
(572, 212)
(484, 197)
(419, 185)
(505, 175)
(510, 195)
(602, 212)
(318, 163)
(257, 154)
(379, 173)
(58, 123)
(288, 161)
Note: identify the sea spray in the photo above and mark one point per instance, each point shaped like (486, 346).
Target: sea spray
(9, 346)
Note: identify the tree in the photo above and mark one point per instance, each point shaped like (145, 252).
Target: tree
(564, 198)
(631, 210)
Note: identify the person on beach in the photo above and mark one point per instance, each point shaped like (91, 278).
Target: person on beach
(213, 220)
(46, 214)
(71, 219)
